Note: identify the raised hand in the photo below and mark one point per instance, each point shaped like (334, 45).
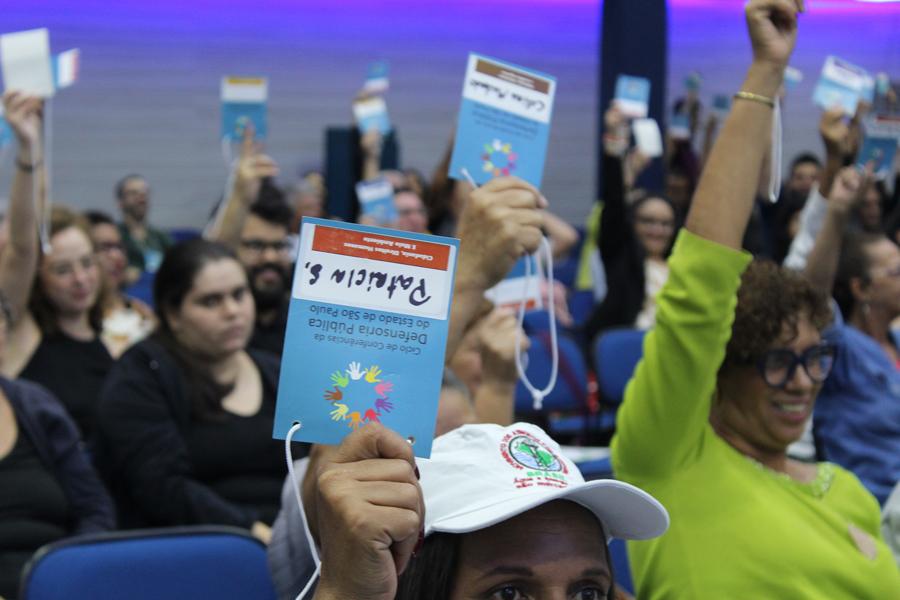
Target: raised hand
(772, 25)
(355, 371)
(383, 405)
(615, 131)
(252, 167)
(334, 395)
(383, 388)
(372, 374)
(372, 416)
(355, 420)
(370, 503)
(340, 379)
(340, 412)
(24, 113)
(847, 190)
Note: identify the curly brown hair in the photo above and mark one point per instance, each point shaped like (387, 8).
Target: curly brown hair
(771, 296)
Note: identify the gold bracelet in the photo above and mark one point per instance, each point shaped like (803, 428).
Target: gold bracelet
(770, 102)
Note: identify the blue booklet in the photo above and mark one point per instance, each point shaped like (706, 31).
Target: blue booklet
(366, 333)
(371, 113)
(632, 96)
(376, 201)
(880, 151)
(6, 134)
(842, 84)
(244, 102)
(504, 122)
(792, 78)
(377, 78)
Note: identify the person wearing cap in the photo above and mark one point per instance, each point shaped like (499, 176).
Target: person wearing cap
(496, 512)
(727, 382)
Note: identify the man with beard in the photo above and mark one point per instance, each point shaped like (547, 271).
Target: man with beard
(265, 251)
(144, 245)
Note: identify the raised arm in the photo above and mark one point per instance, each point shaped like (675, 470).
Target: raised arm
(615, 234)
(246, 180)
(18, 262)
(662, 421)
(822, 264)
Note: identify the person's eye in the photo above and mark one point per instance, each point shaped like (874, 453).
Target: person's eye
(589, 593)
(239, 294)
(507, 592)
(209, 301)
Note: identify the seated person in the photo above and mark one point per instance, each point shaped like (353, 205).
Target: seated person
(54, 335)
(477, 520)
(145, 245)
(50, 491)
(727, 382)
(126, 320)
(186, 416)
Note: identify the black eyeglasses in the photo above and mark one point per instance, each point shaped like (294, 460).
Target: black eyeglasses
(778, 366)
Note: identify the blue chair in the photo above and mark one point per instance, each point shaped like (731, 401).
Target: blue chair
(616, 354)
(183, 234)
(178, 563)
(142, 289)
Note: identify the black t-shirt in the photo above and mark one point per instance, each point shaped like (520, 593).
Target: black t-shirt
(33, 511)
(270, 338)
(238, 459)
(74, 371)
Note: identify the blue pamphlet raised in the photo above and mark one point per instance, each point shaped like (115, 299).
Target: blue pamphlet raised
(366, 333)
(880, 151)
(632, 95)
(842, 84)
(244, 102)
(377, 78)
(504, 122)
(376, 201)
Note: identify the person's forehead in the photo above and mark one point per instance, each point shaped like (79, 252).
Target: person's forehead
(408, 199)
(219, 276)
(260, 229)
(105, 231)
(135, 184)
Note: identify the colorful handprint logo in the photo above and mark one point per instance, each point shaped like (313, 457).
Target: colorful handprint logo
(359, 396)
(499, 159)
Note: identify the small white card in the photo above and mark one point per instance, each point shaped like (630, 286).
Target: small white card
(25, 58)
(648, 137)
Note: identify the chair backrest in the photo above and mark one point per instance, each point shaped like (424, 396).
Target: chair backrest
(616, 354)
(180, 563)
(570, 391)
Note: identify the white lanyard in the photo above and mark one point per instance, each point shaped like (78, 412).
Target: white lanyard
(309, 538)
(775, 167)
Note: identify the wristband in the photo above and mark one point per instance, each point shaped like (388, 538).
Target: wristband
(770, 102)
(27, 167)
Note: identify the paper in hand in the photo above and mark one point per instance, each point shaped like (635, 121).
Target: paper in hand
(25, 58)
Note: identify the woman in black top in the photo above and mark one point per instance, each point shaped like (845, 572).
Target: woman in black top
(185, 419)
(55, 295)
(634, 241)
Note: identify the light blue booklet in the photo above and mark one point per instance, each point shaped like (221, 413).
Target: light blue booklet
(504, 122)
(377, 81)
(632, 95)
(376, 201)
(366, 333)
(371, 113)
(6, 134)
(842, 84)
(880, 151)
(244, 102)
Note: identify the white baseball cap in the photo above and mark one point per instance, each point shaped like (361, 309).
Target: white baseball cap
(481, 475)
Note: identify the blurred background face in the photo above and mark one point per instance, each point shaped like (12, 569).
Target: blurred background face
(264, 253)
(654, 226)
(216, 317)
(110, 253)
(803, 177)
(70, 274)
(883, 290)
(678, 189)
(869, 210)
(135, 198)
(411, 213)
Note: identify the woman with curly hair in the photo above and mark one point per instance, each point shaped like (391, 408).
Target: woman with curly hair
(728, 380)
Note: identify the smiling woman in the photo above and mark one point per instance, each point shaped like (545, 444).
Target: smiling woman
(186, 416)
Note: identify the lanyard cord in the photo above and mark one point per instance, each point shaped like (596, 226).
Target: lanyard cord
(289, 457)
(775, 168)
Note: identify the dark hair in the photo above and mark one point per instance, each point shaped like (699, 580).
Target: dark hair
(805, 158)
(120, 185)
(432, 572)
(172, 283)
(42, 309)
(771, 296)
(98, 217)
(854, 263)
(272, 209)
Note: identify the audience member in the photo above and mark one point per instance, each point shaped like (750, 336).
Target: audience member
(857, 416)
(126, 320)
(411, 213)
(634, 241)
(476, 522)
(186, 415)
(727, 381)
(144, 244)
